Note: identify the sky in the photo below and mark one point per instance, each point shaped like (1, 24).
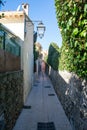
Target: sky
(43, 10)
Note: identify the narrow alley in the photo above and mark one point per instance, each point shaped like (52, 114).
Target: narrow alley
(42, 110)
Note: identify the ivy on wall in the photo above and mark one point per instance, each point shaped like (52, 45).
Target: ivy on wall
(72, 21)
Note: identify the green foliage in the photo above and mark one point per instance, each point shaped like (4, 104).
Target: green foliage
(72, 21)
(55, 60)
(2, 15)
(53, 56)
(36, 53)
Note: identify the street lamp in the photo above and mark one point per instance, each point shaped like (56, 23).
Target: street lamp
(41, 29)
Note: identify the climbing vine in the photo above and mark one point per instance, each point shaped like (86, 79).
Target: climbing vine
(72, 21)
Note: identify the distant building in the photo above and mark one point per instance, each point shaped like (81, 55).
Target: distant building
(20, 24)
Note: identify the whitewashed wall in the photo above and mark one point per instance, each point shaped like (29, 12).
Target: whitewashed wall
(16, 28)
(28, 59)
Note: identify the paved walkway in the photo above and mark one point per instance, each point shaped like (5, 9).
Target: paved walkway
(42, 108)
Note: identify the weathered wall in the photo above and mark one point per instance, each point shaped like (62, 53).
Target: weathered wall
(6, 62)
(72, 93)
(11, 96)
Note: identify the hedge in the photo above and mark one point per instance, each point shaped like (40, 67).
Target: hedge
(72, 21)
(53, 56)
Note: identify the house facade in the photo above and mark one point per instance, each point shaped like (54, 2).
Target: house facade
(20, 25)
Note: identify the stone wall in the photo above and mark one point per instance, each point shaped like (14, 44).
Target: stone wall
(11, 97)
(72, 93)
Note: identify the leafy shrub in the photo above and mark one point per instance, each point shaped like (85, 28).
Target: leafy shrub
(72, 21)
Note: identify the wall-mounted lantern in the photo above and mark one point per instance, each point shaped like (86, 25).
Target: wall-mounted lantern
(41, 29)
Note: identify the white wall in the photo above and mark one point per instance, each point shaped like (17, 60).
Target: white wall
(28, 59)
(16, 28)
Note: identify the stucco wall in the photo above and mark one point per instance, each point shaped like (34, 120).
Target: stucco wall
(72, 92)
(28, 59)
(11, 97)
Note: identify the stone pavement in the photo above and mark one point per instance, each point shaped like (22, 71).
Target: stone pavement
(42, 110)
